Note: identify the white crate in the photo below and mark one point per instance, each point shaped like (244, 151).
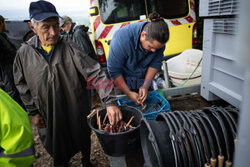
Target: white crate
(221, 77)
(218, 7)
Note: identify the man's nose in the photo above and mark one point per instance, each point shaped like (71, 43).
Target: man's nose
(52, 31)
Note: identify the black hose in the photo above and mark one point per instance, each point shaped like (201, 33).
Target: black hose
(177, 138)
(172, 137)
(209, 137)
(224, 131)
(214, 132)
(194, 139)
(189, 135)
(182, 140)
(200, 132)
(232, 119)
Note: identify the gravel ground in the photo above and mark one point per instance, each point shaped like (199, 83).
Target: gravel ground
(43, 159)
(98, 157)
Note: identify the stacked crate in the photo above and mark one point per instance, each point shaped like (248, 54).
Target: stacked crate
(155, 104)
(221, 76)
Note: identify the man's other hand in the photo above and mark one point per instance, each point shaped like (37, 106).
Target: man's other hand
(143, 93)
(114, 114)
(134, 97)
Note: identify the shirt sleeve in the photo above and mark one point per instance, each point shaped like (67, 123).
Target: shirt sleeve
(157, 61)
(116, 57)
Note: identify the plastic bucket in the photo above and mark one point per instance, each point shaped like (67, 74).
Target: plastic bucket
(119, 144)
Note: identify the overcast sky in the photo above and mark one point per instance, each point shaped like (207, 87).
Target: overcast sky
(19, 9)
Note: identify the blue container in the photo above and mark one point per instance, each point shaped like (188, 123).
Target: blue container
(155, 104)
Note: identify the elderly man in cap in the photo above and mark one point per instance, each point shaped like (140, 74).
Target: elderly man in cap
(51, 75)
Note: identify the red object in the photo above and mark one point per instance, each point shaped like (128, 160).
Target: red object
(100, 51)
(195, 34)
(121, 126)
(106, 129)
(114, 130)
(141, 103)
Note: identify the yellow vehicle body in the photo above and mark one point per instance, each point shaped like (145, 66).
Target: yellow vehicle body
(180, 39)
(181, 30)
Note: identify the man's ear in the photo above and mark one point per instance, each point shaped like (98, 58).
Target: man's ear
(143, 35)
(32, 27)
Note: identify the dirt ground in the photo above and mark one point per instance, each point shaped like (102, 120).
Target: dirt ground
(98, 157)
(43, 159)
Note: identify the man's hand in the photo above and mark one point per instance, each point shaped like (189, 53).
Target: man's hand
(38, 121)
(143, 93)
(134, 97)
(114, 114)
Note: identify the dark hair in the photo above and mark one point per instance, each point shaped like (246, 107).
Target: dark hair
(156, 29)
(1, 19)
(28, 35)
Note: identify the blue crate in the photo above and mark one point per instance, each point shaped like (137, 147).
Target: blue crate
(155, 104)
